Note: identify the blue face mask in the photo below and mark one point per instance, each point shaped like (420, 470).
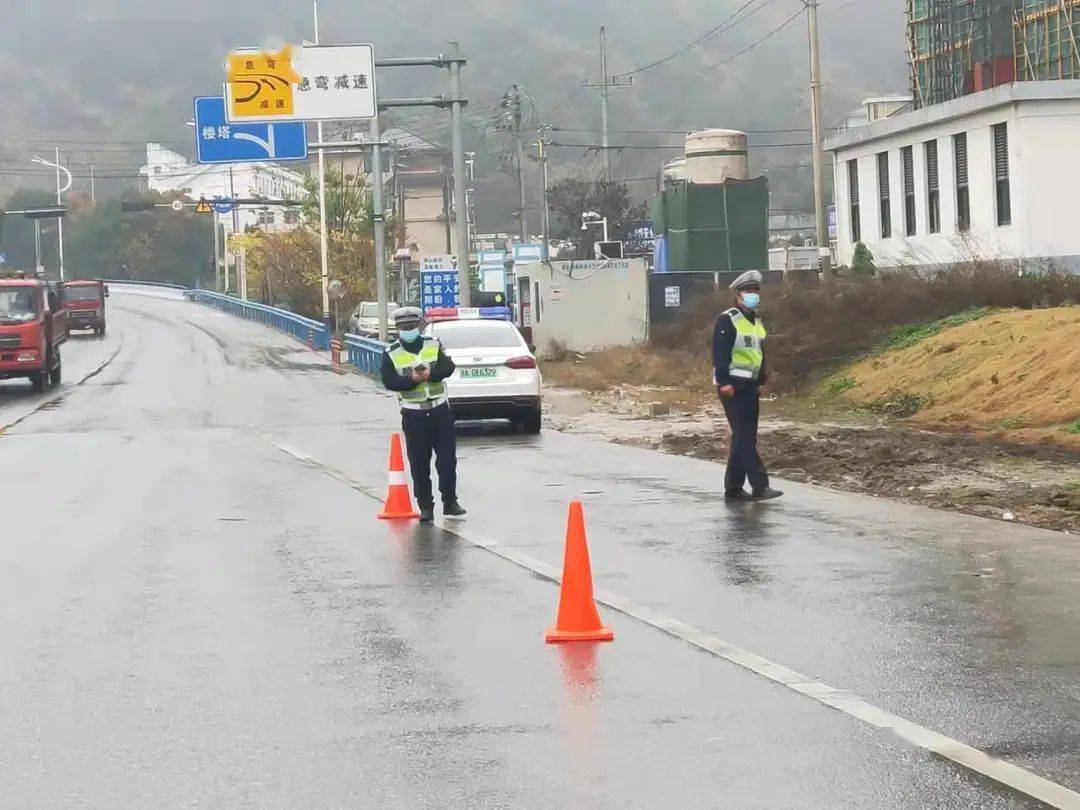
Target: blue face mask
(409, 335)
(751, 300)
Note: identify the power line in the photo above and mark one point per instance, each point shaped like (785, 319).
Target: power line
(617, 147)
(760, 40)
(679, 131)
(725, 25)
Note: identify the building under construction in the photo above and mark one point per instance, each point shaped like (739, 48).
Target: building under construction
(958, 47)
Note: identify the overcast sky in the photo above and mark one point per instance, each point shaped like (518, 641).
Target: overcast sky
(113, 72)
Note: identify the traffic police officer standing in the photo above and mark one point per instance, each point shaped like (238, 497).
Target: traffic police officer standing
(415, 367)
(739, 371)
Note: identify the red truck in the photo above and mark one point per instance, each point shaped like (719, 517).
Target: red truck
(84, 303)
(33, 325)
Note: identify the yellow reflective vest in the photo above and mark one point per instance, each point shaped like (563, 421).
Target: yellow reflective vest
(748, 353)
(405, 361)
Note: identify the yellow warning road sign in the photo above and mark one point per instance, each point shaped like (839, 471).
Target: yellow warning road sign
(204, 208)
(261, 84)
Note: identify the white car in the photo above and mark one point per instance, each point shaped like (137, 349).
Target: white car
(365, 319)
(497, 376)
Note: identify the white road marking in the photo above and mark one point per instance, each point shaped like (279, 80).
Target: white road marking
(999, 770)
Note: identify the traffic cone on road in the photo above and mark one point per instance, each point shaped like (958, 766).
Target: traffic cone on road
(399, 505)
(578, 618)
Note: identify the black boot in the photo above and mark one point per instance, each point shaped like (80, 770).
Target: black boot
(766, 494)
(427, 514)
(454, 510)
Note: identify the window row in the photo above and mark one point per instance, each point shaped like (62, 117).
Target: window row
(1002, 191)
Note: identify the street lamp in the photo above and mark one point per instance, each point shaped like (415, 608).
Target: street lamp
(59, 191)
(593, 218)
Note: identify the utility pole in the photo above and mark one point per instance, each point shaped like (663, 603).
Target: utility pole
(511, 102)
(815, 126)
(93, 192)
(545, 213)
(457, 142)
(523, 204)
(605, 85)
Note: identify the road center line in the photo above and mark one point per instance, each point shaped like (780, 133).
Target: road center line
(999, 770)
(64, 392)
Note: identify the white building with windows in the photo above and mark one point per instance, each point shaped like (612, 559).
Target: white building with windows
(990, 176)
(167, 171)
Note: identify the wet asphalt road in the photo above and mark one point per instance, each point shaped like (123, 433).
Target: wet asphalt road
(190, 616)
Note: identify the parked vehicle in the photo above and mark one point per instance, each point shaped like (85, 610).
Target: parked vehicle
(33, 326)
(84, 302)
(497, 376)
(365, 319)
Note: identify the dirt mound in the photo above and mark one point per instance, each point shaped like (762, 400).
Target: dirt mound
(1015, 373)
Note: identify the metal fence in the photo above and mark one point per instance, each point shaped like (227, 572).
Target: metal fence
(365, 353)
(312, 332)
(136, 283)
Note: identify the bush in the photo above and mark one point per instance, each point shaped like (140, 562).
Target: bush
(862, 263)
(839, 385)
(557, 351)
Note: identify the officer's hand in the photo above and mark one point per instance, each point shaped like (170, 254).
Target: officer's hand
(421, 375)
(726, 390)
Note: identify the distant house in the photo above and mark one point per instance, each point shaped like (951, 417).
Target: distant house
(419, 189)
(168, 172)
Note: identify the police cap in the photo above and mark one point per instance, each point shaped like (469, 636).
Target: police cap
(407, 315)
(751, 279)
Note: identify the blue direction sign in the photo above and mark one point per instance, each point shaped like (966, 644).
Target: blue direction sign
(223, 205)
(218, 141)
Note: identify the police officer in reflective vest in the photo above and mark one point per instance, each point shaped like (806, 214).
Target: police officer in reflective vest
(739, 370)
(415, 367)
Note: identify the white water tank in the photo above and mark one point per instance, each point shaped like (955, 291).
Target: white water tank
(715, 156)
(674, 170)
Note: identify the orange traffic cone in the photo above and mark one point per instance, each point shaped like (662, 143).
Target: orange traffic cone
(578, 618)
(399, 505)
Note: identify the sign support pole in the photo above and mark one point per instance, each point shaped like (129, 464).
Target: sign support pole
(380, 227)
(59, 222)
(217, 248)
(461, 204)
(324, 247)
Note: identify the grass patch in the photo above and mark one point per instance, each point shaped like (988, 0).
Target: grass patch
(905, 336)
(1012, 423)
(838, 385)
(1074, 428)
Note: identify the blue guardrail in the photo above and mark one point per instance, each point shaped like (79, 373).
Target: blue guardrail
(365, 353)
(305, 329)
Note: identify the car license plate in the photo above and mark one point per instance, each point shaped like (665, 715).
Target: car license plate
(478, 373)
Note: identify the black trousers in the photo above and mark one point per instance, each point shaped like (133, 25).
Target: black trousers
(427, 431)
(743, 460)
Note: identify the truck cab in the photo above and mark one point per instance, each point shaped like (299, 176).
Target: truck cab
(33, 326)
(84, 303)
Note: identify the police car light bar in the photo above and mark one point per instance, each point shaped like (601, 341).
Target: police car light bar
(467, 313)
